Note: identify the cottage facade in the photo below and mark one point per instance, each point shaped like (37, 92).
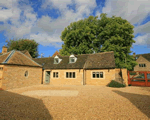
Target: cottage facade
(85, 69)
(17, 69)
(143, 61)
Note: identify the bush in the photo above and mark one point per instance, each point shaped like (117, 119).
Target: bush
(114, 83)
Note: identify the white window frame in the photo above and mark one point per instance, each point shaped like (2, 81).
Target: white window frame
(69, 75)
(99, 73)
(71, 59)
(55, 74)
(55, 60)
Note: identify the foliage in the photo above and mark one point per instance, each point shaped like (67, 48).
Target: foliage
(23, 44)
(107, 34)
(114, 83)
(79, 37)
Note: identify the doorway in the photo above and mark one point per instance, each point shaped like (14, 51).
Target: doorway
(47, 77)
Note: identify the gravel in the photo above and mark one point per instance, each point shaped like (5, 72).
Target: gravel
(75, 103)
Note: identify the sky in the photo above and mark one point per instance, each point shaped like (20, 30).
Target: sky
(44, 20)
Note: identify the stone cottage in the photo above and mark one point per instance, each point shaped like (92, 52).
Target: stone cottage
(85, 69)
(143, 61)
(17, 69)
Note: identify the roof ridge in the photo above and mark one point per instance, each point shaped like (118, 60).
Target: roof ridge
(9, 56)
(29, 58)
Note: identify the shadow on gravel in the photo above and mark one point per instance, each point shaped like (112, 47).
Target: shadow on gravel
(14, 106)
(142, 102)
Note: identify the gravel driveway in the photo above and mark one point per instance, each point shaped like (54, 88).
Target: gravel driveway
(44, 102)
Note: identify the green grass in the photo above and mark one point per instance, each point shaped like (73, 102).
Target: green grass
(133, 73)
(113, 83)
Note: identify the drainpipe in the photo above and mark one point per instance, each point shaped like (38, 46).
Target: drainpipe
(42, 72)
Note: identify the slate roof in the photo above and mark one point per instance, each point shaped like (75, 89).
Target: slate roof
(146, 56)
(87, 61)
(17, 58)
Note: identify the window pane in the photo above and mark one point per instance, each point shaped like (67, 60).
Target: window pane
(70, 75)
(66, 74)
(56, 60)
(97, 74)
(101, 74)
(93, 74)
(139, 65)
(73, 74)
(72, 59)
(53, 74)
(144, 65)
(56, 74)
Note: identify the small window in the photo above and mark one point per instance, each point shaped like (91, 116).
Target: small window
(70, 75)
(97, 74)
(55, 74)
(73, 74)
(93, 74)
(142, 65)
(66, 74)
(56, 60)
(26, 74)
(72, 60)
(101, 74)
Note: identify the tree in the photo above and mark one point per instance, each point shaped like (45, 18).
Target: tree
(79, 36)
(107, 34)
(23, 44)
(116, 34)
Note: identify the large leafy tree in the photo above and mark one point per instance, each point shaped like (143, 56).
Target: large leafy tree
(23, 44)
(116, 34)
(79, 36)
(107, 34)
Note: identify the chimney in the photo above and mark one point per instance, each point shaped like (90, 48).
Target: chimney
(4, 49)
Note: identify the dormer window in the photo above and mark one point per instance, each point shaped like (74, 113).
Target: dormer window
(72, 59)
(57, 60)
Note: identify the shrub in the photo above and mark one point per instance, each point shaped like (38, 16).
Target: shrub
(114, 83)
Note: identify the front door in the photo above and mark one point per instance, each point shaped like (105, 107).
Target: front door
(47, 76)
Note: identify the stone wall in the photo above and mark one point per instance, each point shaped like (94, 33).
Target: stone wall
(62, 80)
(108, 75)
(14, 76)
(124, 78)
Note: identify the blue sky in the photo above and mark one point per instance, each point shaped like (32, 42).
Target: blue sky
(44, 20)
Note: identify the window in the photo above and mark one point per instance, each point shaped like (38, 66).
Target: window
(26, 74)
(72, 60)
(142, 65)
(97, 74)
(56, 60)
(55, 74)
(70, 75)
(1, 68)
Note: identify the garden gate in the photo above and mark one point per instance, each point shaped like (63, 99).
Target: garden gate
(139, 78)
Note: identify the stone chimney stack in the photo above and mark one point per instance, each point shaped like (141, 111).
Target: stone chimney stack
(4, 49)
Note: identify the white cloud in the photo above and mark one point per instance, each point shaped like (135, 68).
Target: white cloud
(142, 40)
(24, 21)
(142, 29)
(135, 11)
